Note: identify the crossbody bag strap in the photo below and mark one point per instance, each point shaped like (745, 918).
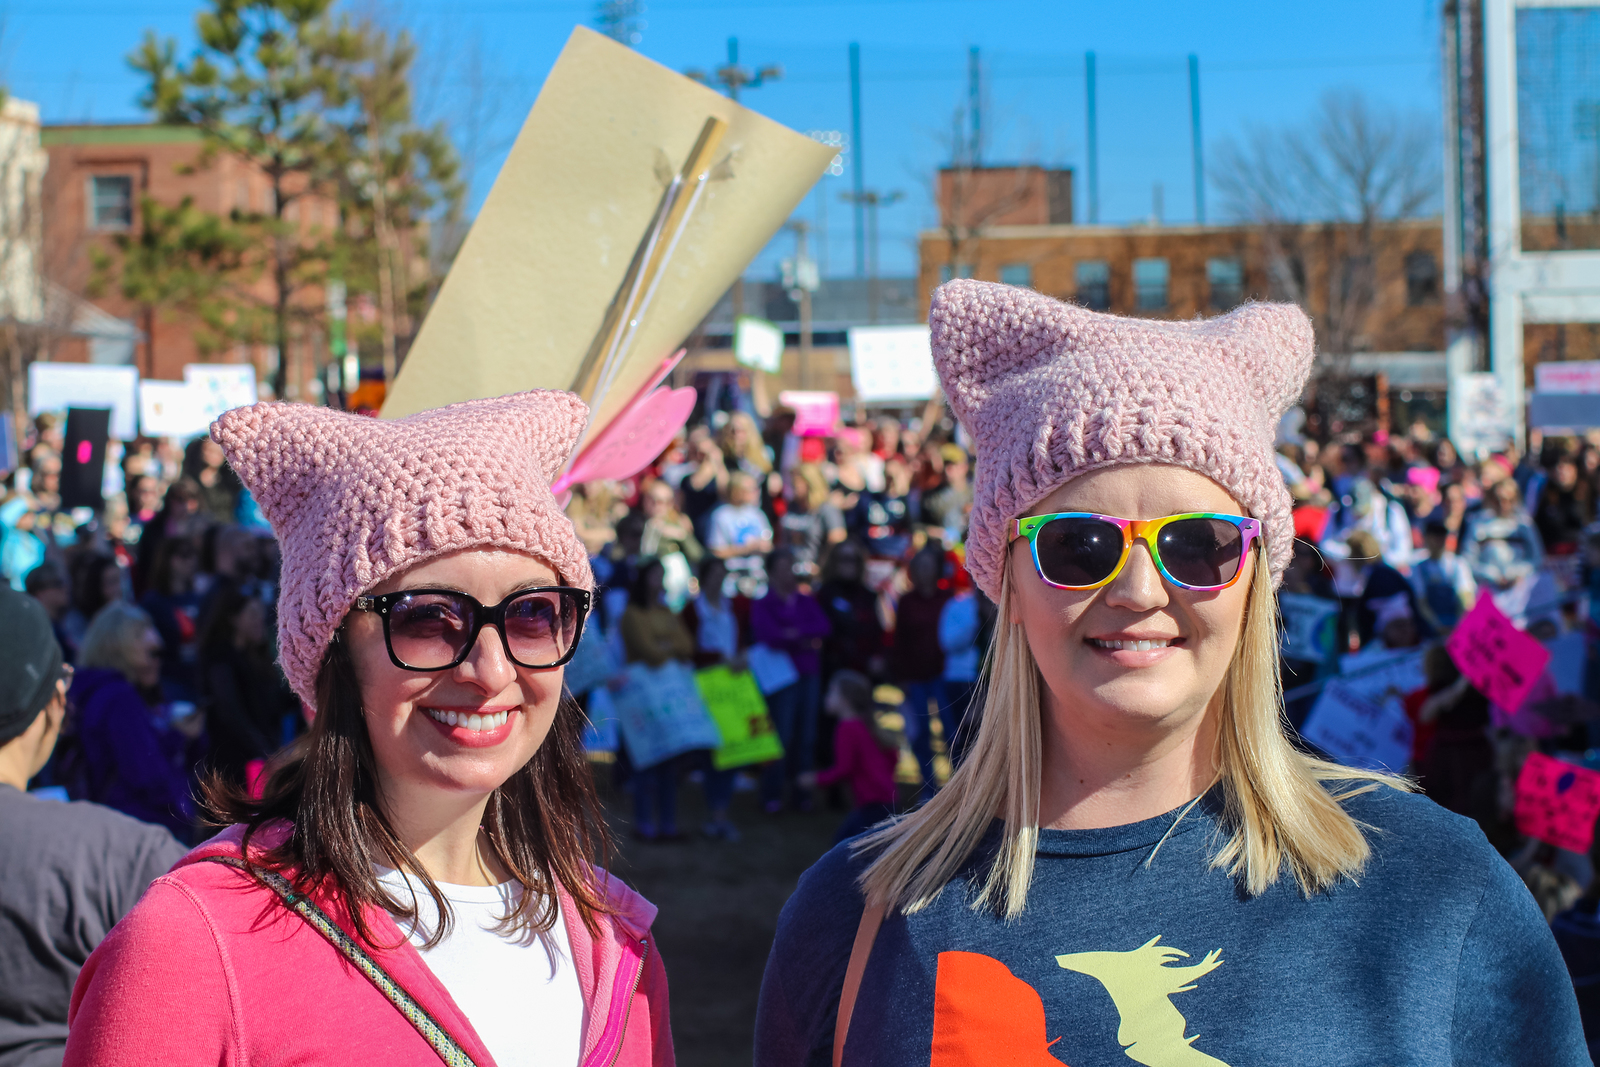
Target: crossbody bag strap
(866, 934)
(426, 1025)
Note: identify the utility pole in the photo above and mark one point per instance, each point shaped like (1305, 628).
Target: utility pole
(1194, 120)
(1094, 147)
(857, 177)
(733, 78)
(975, 106)
(801, 279)
(871, 200)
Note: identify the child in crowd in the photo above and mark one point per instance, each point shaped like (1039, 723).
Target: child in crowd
(864, 753)
(740, 534)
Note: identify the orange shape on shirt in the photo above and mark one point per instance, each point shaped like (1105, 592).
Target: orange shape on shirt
(985, 1016)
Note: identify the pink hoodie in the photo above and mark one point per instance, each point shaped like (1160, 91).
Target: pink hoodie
(211, 968)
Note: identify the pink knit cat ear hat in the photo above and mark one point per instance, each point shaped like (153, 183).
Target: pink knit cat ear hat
(354, 500)
(1050, 391)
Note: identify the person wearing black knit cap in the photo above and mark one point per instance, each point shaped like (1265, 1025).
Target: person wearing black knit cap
(68, 872)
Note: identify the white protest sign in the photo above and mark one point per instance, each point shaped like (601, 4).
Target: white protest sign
(758, 343)
(171, 409)
(59, 386)
(1574, 376)
(892, 363)
(221, 386)
(1358, 731)
(661, 713)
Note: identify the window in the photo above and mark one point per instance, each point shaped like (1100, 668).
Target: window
(110, 202)
(1226, 277)
(1150, 284)
(1017, 274)
(1422, 278)
(1093, 277)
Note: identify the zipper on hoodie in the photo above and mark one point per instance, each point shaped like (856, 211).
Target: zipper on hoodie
(627, 1012)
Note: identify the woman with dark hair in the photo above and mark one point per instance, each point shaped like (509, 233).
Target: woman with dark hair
(237, 683)
(417, 881)
(174, 608)
(177, 518)
(96, 582)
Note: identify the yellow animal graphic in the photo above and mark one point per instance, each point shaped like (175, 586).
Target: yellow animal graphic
(1140, 983)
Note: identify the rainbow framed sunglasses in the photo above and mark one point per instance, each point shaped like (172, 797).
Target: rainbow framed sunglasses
(1081, 550)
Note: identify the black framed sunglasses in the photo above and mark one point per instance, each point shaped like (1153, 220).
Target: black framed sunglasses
(435, 629)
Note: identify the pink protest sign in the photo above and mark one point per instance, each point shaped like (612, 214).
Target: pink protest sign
(1557, 802)
(1501, 660)
(815, 413)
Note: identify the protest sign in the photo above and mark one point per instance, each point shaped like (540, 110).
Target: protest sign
(1358, 730)
(815, 413)
(172, 409)
(735, 703)
(1310, 626)
(620, 217)
(83, 459)
(600, 732)
(221, 387)
(661, 714)
(1557, 802)
(593, 664)
(1499, 659)
(59, 386)
(772, 667)
(889, 363)
(758, 343)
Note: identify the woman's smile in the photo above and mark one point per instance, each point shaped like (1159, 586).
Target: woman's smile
(480, 727)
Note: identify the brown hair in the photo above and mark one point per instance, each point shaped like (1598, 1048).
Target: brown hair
(544, 823)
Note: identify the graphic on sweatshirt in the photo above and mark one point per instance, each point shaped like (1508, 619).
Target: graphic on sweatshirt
(1140, 983)
(984, 1016)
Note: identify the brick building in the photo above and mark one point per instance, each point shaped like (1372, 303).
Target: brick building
(97, 178)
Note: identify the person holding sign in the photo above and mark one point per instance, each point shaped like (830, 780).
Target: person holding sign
(1134, 860)
(417, 880)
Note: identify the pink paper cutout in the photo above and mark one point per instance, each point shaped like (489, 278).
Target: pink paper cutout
(632, 440)
(1557, 802)
(1502, 661)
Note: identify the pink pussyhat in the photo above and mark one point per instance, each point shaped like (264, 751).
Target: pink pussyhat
(355, 500)
(1050, 391)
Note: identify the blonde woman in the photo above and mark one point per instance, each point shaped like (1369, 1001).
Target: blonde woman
(1134, 862)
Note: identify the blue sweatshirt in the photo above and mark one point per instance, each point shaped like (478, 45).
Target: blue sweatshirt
(1438, 956)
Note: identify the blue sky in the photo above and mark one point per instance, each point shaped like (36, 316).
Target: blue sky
(1262, 63)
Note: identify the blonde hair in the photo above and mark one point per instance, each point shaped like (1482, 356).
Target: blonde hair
(1277, 807)
(112, 640)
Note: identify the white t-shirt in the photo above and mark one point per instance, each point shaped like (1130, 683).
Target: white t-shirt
(519, 992)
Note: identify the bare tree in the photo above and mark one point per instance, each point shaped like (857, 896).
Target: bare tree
(1321, 192)
(970, 197)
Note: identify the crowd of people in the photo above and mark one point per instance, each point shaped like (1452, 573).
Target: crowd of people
(164, 603)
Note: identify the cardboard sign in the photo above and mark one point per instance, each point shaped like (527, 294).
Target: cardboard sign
(575, 206)
(735, 703)
(815, 413)
(59, 386)
(892, 363)
(1310, 627)
(1359, 731)
(1557, 802)
(83, 458)
(1501, 660)
(661, 714)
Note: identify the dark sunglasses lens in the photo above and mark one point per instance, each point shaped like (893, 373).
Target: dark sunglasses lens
(541, 627)
(1203, 553)
(1078, 551)
(429, 630)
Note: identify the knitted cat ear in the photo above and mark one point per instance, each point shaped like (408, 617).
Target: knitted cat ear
(984, 333)
(548, 421)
